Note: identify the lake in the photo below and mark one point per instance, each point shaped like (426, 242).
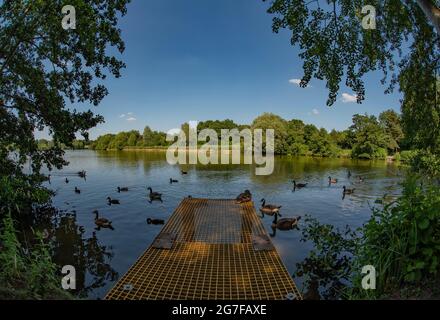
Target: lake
(102, 256)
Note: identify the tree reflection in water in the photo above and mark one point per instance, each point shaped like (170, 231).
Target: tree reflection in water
(90, 258)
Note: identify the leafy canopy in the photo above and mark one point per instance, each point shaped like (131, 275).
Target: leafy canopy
(46, 72)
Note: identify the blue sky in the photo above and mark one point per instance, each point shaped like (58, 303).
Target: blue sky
(199, 60)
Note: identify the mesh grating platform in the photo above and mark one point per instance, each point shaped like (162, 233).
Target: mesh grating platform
(212, 256)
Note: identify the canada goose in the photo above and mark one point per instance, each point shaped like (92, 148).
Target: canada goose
(112, 201)
(123, 189)
(184, 172)
(330, 180)
(67, 180)
(173, 181)
(246, 196)
(77, 190)
(269, 209)
(154, 195)
(360, 179)
(284, 224)
(349, 174)
(81, 174)
(299, 185)
(348, 191)
(102, 222)
(155, 221)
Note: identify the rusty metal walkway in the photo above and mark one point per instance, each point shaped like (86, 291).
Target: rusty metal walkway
(209, 249)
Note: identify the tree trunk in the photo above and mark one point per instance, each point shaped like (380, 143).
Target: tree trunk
(432, 12)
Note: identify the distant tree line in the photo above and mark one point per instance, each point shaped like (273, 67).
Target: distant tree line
(369, 137)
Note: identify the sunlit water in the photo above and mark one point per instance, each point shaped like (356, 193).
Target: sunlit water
(101, 257)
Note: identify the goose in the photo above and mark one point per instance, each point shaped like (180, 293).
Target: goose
(299, 185)
(155, 221)
(269, 209)
(154, 195)
(330, 180)
(81, 174)
(112, 201)
(284, 224)
(77, 190)
(173, 181)
(349, 174)
(246, 196)
(360, 179)
(184, 172)
(102, 222)
(123, 189)
(67, 180)
(348, 191)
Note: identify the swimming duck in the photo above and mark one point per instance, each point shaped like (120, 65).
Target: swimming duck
(299, 185)
(284, 224)
(330, 180)
(154, 195)
(112, 201)
(269, 209)
(77, 190)
(123, 189)
(348, 191)
(102, 222)
(155, 221)
(173, 181)
(246, 196)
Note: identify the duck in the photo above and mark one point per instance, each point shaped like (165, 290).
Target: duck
(154, 195)
(330, 180)
(348, 191)
(269, 209)
(246, 196)
(81, 174)
(173, 181)
(155, 221)
(299, 185)
(67, 180)
(112, 201)
(77, 190)
(284, 224)
(102, 222)
(184, 172)
(123, 189)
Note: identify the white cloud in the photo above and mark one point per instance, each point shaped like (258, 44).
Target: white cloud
(130, 113)
(122, 116)
(297, 82)
(315, 111)
(131, 119)
(349, 98)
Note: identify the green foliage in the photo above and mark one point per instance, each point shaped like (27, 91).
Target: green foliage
(45, 71)
(330, 262)
(278, 124)
(27, 274)
(369, 137)
(19, 194)
(390, 122)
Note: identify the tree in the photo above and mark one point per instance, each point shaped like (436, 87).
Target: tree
(272, 121)
(369, 137)
(45, 72)
(390, 122)
(334, 45)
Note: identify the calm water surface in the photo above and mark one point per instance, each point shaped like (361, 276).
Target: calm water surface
(101, 257)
